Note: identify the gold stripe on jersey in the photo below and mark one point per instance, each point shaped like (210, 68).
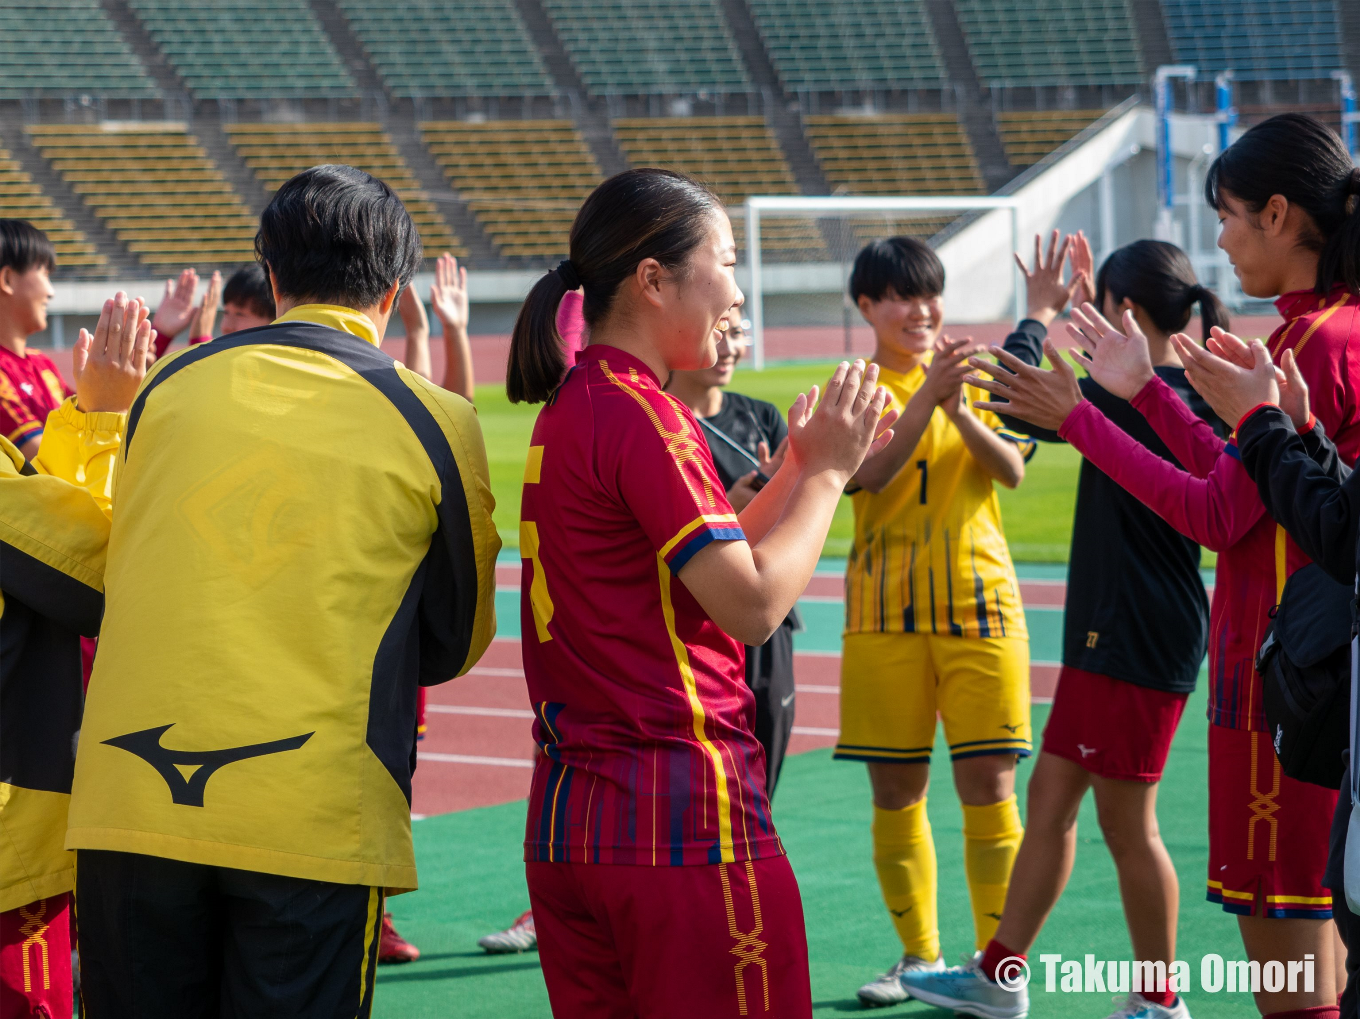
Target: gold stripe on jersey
(929, 554)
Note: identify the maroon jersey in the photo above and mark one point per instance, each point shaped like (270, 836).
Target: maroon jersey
(30, 389)
(643, 717)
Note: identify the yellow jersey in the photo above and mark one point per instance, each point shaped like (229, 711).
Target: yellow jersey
(929, 555)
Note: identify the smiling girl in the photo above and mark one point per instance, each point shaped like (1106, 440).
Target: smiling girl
(1286, 198)
(658, 883)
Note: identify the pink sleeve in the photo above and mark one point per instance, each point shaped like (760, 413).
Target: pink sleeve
(1216, 510)
(1188, 436)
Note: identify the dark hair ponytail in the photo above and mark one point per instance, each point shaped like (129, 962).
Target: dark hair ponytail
(635, 215)
(1159, 278)
(1302, 159)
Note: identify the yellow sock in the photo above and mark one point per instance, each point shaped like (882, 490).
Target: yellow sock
(991, 838)
(904, 856)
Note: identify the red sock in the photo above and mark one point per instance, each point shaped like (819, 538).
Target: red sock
(1316, 1012)
(992, 957)
(1165, 998)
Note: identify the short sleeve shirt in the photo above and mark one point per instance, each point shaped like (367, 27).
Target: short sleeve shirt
(30, 389)
(642, 715)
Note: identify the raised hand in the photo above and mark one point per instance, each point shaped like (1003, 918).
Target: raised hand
(848, 424)
(177, 304)
(109, 365)
(771, 462)
(1083, 268)
(449, 295)
(944, 376)
(1046, 293)
(1293, 391)
(1043, 398)
(1232, 390)
(205, 317)
(1120, 362)
(1226, 346)
(417, 326)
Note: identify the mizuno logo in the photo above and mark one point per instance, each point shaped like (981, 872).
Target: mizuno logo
(1012, 729)
(899, 912)
(1085, 750)
(188, 792)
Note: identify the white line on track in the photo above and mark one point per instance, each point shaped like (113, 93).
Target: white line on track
(464, 709)
(815, 688)
(498, 762)
(813, 730)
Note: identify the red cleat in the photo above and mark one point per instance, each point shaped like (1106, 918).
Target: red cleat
(392, 947)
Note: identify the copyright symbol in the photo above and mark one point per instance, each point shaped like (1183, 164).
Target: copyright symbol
(1012, 974)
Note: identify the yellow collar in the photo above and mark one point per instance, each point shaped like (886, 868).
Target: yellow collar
(347, 320)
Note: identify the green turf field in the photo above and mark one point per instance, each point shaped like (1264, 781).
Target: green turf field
(472, 883)
(1037, 516)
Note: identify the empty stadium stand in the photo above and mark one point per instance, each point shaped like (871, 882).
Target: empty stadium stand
(822, 46)
(1030, 135)
(21, 198)
(66, 47)
(1052, 42)
(153, 185)
(640, 47)
(278, 151)
(522, 179)
(1258, 40)
(736, 156)
(245, 49)
(449, 47)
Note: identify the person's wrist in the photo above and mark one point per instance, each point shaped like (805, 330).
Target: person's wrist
(1044, 315)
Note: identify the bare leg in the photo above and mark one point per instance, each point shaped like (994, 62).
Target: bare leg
(898, 785)
(1044, 862)
(1286, 940)
(1147, 877)
(983, 780)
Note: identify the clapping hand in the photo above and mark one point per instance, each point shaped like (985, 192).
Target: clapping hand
(205, 317)
(944, 377)
(110, 365)
(848, 424)
(1119, 362)
(1045, 291)
(1235, 377)
(177, 304)
(1043, 398)
(1084, 268)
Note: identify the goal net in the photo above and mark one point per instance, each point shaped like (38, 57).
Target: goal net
(799, 253)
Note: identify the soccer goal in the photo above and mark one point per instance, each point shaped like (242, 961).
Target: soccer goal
(799, 252)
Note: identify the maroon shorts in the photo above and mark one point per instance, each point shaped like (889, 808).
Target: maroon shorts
(1268, 834)
(35, 959)
(1112, 728)
(719, 941)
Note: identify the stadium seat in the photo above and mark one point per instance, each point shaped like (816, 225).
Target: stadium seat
(1256, 39)
(821, 45)
(20, 198)
(641, 47)
(245, 49)
(736, 156)
(278, 151)
(454, 48)
(154, 186)
(67, 47)
(522, 179)
(1030, 135)
(1052, 42)
(913, 154)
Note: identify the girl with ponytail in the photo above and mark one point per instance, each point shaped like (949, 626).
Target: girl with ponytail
(1286, 196)
(640, 586)
(1120, 695)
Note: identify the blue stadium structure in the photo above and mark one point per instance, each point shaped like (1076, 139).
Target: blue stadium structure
(493, 118)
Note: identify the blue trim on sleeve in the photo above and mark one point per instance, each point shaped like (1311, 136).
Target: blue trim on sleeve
(703, 537)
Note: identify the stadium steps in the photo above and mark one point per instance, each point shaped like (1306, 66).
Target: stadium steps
(134, 33)
(1030, 135)
(154, 186)
(118, 260)
(523, 179)
(590, 114)
(975, 112)
(347, 46)
(22, 198)
(405, 134)
(276, 152)
(781, 109)
(1150, 27)
(211, 133)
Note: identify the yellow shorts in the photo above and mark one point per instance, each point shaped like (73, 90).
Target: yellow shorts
(893, 685)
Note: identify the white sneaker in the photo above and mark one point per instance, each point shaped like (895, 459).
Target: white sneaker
(520, 936)
(1138, 1007)
(887, 989)
(964, 989)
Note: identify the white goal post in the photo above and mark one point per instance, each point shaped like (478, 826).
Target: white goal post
(774, 205)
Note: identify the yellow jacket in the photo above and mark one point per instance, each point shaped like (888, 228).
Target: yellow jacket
(303, 534)
(52, 541)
